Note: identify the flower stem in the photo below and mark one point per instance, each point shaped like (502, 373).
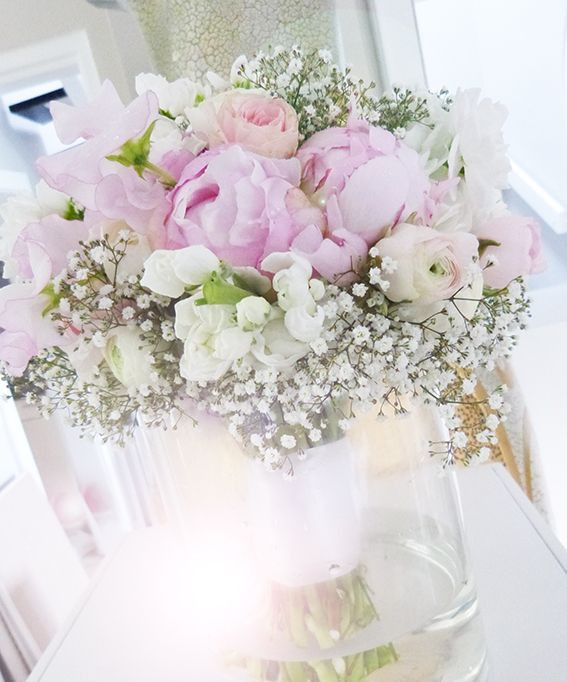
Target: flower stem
(166, 178)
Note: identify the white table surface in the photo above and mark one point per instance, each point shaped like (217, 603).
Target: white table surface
(120, 633)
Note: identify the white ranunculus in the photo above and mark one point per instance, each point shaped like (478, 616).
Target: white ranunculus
(173, 96)
(461, 308)
(252, 313)
(431, 266)
(129, 363)
(194, 264)
(275, 346)
(159, 275)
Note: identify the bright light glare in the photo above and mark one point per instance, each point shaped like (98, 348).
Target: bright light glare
(223, 586)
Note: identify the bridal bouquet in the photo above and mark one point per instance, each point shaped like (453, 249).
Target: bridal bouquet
(284, 250)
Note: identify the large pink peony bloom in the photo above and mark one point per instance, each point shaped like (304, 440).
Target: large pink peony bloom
(519, 253)
(367, 179)
(240, 205)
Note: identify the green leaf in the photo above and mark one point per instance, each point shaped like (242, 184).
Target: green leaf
(217, 291)
(54, 298)
(167, 114)
(483, 244)
(135, 153)
(73, 211)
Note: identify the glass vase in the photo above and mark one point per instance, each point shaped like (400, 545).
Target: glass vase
(347, 564)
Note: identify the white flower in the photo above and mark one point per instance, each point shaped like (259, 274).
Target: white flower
(194, 264)
(128, 312)
(105, 303)
(129, 363)
(137, 251)
(359, 289)
(288, 442)
(159, 275)
(275, 346)
(173, 96)
(252, 313)
(304, 325)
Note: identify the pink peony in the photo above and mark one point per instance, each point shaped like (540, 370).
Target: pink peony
(336, 257)
(258, 122)
(367, 179)
(239, 205)
(519, 253)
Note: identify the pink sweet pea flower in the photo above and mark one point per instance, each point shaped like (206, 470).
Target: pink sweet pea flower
(16, 350)
(236, 204)
(519, 253)
(88, 120)
(77, 171)
(53, 238)
(367, 179)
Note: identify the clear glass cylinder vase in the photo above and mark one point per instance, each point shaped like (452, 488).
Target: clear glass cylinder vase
(348, 564)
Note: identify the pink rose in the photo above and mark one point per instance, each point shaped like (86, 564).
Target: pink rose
(239, 205)
(258, 122)
(430, 266)
(519, 253)
(367, 179)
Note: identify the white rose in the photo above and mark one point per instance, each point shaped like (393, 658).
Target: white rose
(159, 275)
(129, 363)
(173, 96)
(252, 313)
(194, 264)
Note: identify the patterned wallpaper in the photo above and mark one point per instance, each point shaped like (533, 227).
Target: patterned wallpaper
(190, 37)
